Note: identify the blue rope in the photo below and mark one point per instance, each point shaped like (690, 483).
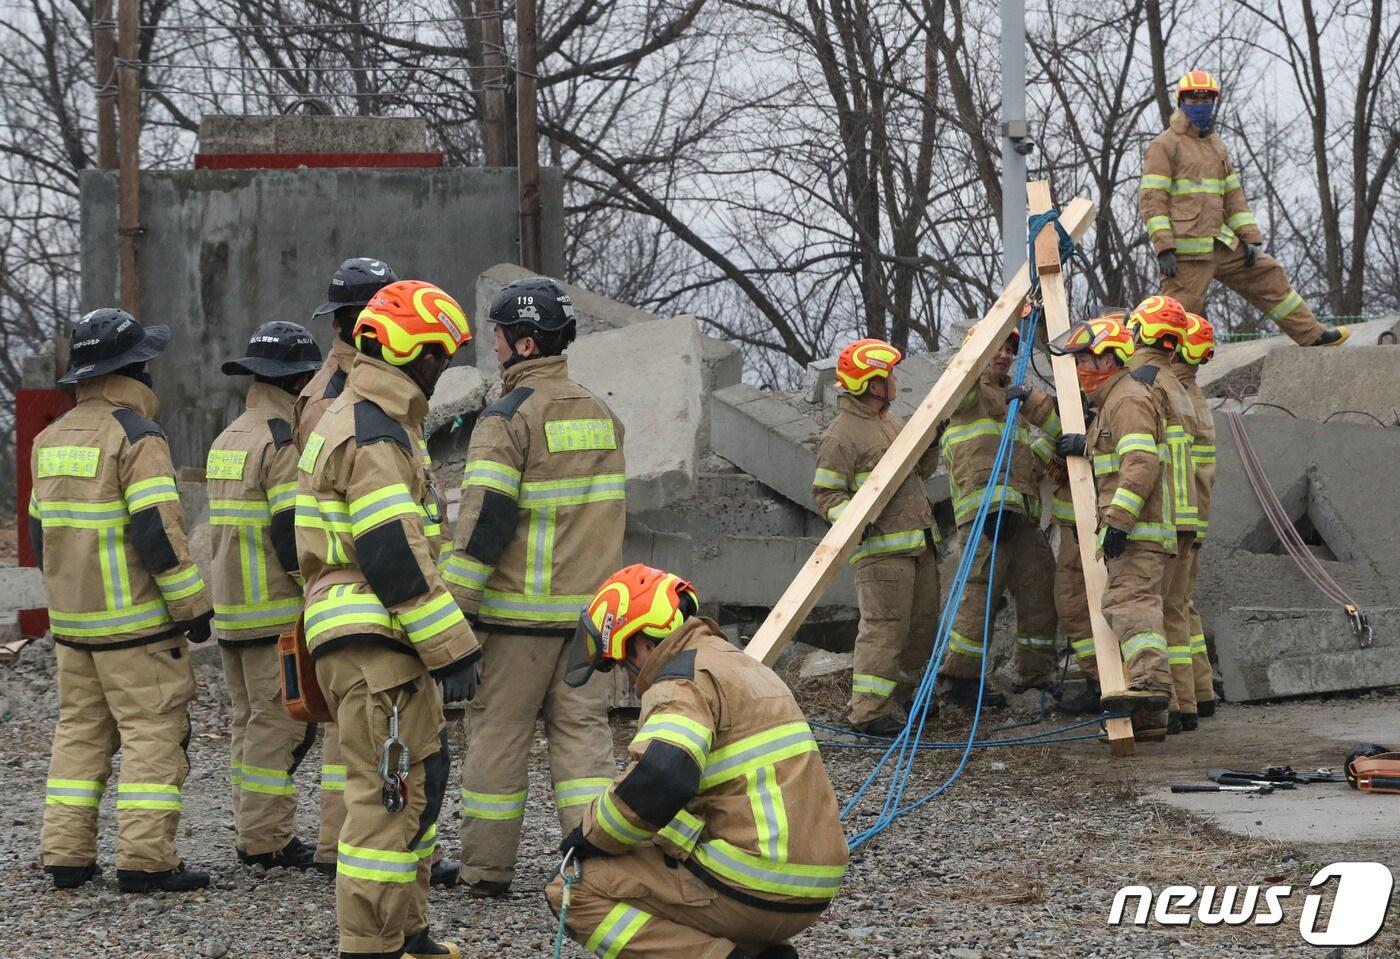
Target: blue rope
(901, 752)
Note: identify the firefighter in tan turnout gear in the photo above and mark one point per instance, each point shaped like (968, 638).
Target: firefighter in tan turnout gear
(1198, 348)
(1200, 224)
(540, 525)
(251, 474)
(350, 289)
(896, 564)
(1024, 561)
(123, 595)
(1135, 534)
(722, 838)
(382, 628)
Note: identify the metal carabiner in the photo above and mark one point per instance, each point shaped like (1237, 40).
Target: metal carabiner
(1360, 626)
(395, 790)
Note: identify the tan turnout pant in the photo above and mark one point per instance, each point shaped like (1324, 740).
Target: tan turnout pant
(266, 746)
(1264, 285)
(382, 866)
(332, 793)
(1024, 568)
(1132, 604)
(898, 597)
(637, 906)
(1176, 618)
(1072, 603)
(136, 699)
(522, 676)
(1200, 655)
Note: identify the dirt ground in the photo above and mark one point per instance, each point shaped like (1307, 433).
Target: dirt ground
(1020, 858)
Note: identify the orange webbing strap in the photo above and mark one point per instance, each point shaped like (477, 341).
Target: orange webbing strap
(1380, 774)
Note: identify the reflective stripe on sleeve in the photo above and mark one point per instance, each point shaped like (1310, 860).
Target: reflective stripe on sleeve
(490, 474)
(616, 825)
(437, 615)
(573, 492)
(384, 504)
(767, 748)
(150, 492)
(829, 479)
(181, 584)
(695, 738)
(462, 570)
(1128, 501)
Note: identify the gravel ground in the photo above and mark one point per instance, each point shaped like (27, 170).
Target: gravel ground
(1020, 859)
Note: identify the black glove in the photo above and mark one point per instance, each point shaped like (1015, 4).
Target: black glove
(580, 846)
(459, 681)
(1166, 262)
(1072, 444)
(1251, 254)
(198, 629)
(1021, 391)
(1115, 540)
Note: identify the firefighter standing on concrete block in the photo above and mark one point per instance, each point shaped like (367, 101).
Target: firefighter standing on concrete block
(383, 629)
(107, 527)
(1159, 327)
(1024, 561)
(1197, 348)
(540, 525)
(251, 474)
(722, 837)
(896, 563)
(1201, 227)
(1135, 535)
(351, 287)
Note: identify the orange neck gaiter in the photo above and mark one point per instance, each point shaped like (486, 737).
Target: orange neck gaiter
(1091, 379)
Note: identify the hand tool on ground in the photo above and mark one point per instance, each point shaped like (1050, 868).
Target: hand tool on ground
(1228, 777)
(1263, 790)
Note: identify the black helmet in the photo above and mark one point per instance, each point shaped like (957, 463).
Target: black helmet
(277, 349)
(355, 284)
(107, 339)
(536, 302)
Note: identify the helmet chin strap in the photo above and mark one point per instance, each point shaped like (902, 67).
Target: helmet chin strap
(884, 395)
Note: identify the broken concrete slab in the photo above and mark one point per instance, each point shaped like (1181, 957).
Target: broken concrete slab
(1359, 385)
(594, 313)
(22, 587)
(821, 662)
(460, 392)
(651, 376)
(299, 133)
(1273, 653)
(765, 436)
(1237, 368)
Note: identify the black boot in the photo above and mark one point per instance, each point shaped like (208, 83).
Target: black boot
(963, 692)
(179, 879)
(71, 877)
(1174, 725)
(1205, 708)
(294, 855)
(1189, 722)
(487, 889)
(887, 726)
(737, 953)
(781, 951)
(445, 872)
(420, 945)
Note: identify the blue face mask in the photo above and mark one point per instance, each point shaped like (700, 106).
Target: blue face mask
(1200, 114)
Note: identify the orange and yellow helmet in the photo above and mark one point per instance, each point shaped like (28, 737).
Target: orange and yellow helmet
(1197, 81)
(637, 600)
(406, 316)
(1099, 335)
(863, 361)
(1157, 318)
(1198, 342)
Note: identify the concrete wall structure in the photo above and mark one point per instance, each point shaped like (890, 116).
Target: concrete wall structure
(227, 250)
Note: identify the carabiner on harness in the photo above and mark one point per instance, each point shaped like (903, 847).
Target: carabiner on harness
(395, 790)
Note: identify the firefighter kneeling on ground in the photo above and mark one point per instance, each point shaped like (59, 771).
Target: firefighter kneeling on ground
(721, 839)
(1135, 537)
(383, 629)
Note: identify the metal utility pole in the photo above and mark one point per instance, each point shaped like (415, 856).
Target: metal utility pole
(104, 46)
(494, 129)
(528, 136)
(1015, 136)
(129, 171)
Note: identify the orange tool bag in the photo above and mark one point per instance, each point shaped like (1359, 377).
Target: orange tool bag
(1377, 773)
(301, 693)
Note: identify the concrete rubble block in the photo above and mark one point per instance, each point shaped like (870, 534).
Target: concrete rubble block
(756, 570)
(1316, 384)
(460, 392)
(765, 436)
(819, 377)
(1237, 368)
(823, 663)
(1272, 653)
(915, 376)
(662, 408)
(300, 133)
(22, 587)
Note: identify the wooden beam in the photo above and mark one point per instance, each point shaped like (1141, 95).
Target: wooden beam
(992, 330)
(1081, 478)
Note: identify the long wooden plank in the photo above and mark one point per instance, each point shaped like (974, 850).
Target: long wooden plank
(814, 577)
(1081, 477)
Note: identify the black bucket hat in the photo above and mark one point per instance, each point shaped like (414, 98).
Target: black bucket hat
(355, 284)
(108, 339)
(277, 349)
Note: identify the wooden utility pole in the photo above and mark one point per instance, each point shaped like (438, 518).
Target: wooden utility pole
(494, 131)
(104, 45)
(821, 567)
(528, 135)
(129, 171)
(1081, 477)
